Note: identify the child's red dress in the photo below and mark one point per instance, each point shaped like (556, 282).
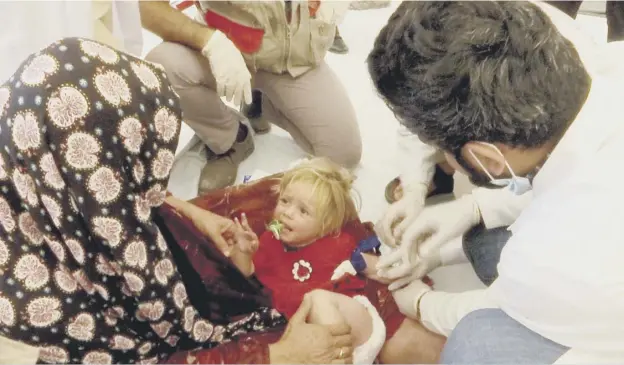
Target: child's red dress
(290, 273)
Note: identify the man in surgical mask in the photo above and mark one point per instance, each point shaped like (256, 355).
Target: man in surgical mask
(514, 96)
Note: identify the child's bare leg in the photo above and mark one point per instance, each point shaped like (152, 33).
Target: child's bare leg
(412, 344)
(332, 308)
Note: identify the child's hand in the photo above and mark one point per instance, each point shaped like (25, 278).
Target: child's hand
(245, 238)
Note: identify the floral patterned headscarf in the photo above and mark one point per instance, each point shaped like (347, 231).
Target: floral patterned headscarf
(88, 137)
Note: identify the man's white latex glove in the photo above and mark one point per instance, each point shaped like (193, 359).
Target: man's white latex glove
(408, 297)
(422, 239)
(228, 68)
(332, 12)
(401, 214)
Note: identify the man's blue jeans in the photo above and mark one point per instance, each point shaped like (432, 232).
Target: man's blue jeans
(489, 336)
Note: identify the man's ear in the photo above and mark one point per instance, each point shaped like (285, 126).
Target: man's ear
(489, 157)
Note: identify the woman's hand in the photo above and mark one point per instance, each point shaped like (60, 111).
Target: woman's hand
(219, 229)
(305, 343)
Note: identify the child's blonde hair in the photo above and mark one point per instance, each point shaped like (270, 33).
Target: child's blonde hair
(331, 188)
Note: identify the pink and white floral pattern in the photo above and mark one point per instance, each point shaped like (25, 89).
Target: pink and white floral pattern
(7, 312)
(163, 271)
(82, 151)
(25, 187)
(97, 357)
(145, 74)
(166, 124)
(38, 70)
(104, 185)
(54, 355)
(32, 272)
(82, 327)
(109, 229)
(6, 216)
(5, 255)
(113, 88)
(43, 312)
(5, 96)
(29, 229)
(53, 208)
(161, 166)
(25, 131)
(132, 134)
(135, 254)
(67, 106)
(52, 177)
(104, 53)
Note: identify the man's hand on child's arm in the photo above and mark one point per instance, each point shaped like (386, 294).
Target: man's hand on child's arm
(371, 271)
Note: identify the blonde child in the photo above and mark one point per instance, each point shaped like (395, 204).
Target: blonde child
(299, 256)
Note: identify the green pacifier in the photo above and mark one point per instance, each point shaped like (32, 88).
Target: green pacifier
(276, 227)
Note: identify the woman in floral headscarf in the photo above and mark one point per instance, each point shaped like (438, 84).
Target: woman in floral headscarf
(87, 138)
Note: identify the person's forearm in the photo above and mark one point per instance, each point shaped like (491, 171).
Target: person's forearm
(243, 261)
(185, 208)
(172, 25)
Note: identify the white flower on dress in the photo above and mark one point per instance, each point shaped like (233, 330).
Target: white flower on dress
(104, 53)
(302, 270)
(53, 208)
(189, 318)
(52, 177)
(82, 151)
(53, 355)
(138, 172)
(109, 229)
(150, 310)
(142, 209)
(202, 330)
(162, 164)
(134, 282)
(82, 327)
(149, 361)
(7, 312)
(163, 271)
(146, 75)
(5, 95)
(166, 123)
(38, 69)
(103, 266)
(104, 185)
(162, 329)
(25, 187)
(97, 357)
(83, 281)
(160, 241)
(65, 281)
(155, 196)
(113, 88)
(179, 295)
(25, 131)
(121, 342)
(76, 249)
(131, 131)
(135, 254)
(56, 247)
(5, 255)
(66, 106)
(145, 348)
(29, 229)
(217, 334)
(6, 215)
(32, 272)
(44, 311)
(3, 173)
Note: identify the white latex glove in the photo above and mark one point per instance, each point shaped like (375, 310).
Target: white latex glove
(401, 214)
(229, 69)
(332, 12)
(407, 297)
(422, 239)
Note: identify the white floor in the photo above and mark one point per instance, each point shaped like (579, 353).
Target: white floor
(276, 150)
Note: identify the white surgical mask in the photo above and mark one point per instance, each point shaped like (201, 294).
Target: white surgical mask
(516, 184)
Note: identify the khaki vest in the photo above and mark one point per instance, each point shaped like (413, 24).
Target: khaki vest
(291, 48)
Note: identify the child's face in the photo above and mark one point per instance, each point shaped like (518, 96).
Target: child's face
(296, 210)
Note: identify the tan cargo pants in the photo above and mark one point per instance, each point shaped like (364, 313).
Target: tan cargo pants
(314, 107)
